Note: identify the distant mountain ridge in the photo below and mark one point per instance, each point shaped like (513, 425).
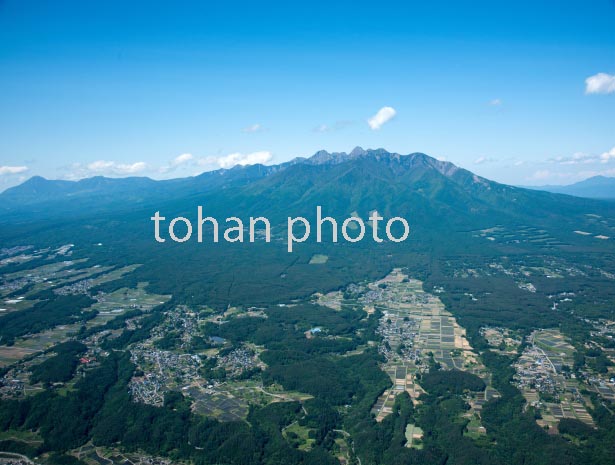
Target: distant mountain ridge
(452, 213)
(440, 197)
(596, 187)
(100, 190)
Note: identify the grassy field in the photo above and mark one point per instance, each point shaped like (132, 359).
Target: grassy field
(21, 435)
(413, 436)
(319, 259)
(298, 435)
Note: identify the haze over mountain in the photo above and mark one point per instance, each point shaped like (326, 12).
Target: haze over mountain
(596, 187)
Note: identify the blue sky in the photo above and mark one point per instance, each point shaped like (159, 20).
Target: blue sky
(168, 89)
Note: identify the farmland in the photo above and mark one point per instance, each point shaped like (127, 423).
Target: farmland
(544, 376)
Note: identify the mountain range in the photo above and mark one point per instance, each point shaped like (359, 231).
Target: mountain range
(497, 257)
(40, 194)
(596, 187)
(452, 212)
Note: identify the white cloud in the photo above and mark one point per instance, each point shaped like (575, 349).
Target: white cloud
(566, 177)
(601, 83)
(575, 167)
(12, 169)
(384, 115)
(482, 160)
(581, 158)
(226, 161)
(608, 156)
(233, 159)
(181, 159)
(495, 102)
(111, 167)
(253, 128)
(576, 159)
(183, 163)
(204, 161)
(104, 168)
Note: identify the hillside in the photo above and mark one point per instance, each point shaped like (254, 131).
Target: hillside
(323, 327)
(451, 212)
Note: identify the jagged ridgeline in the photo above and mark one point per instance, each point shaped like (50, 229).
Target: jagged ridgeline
(452, 213)
(489, 326)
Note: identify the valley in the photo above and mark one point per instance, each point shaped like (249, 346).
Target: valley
(307, 233)
(478, 335)
(199, 353)
(418, 334)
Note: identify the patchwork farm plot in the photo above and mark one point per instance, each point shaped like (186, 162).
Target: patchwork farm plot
(108, 307)
(417, 332)
(210, 375)
(543, 375)
(92, 455)
(64, 279)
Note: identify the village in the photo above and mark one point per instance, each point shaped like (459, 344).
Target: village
(417, 335)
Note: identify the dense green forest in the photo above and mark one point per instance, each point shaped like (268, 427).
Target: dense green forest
(92, 410)
(477, 243)
(45, 314)
(60, 367)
